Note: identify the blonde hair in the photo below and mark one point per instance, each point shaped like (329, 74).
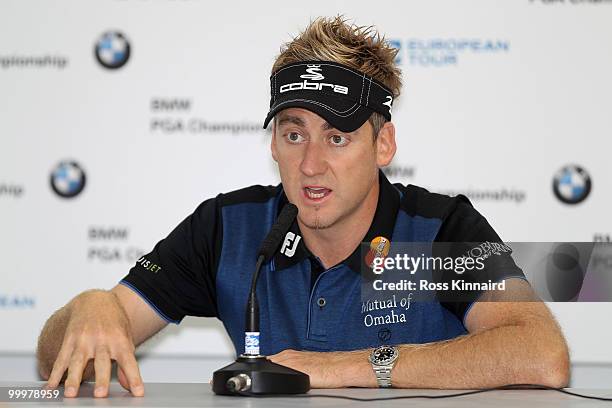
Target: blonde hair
(358, 47)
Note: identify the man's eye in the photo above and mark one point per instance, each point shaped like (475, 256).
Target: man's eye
(338, 140)
(294, 137)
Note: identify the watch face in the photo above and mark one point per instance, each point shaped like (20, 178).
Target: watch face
(383, 355)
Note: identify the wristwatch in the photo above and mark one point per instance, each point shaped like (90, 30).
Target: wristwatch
(382, 359)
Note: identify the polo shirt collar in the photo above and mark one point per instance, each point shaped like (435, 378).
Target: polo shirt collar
(382, 224)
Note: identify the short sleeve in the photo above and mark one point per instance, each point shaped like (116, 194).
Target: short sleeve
(177, 278)
(467, 233)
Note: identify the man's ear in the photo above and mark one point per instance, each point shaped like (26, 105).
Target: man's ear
(273, 141)
(385, 145)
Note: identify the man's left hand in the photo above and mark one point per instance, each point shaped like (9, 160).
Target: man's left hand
(336, 369)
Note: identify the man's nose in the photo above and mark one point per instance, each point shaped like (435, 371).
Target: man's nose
(314, 161)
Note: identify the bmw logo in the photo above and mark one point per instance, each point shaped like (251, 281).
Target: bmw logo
(67, 179)
(112, 50)
(572, 184)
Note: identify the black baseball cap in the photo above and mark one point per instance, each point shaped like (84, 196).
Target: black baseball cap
(343, 96)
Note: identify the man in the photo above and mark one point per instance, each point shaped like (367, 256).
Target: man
(332, 89)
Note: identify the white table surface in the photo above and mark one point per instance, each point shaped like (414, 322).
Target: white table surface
(201, 395)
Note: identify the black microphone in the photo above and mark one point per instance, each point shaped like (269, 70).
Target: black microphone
(266, 251)
(252, 373)
(273, 240)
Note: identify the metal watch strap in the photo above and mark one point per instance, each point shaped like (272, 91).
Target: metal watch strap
(383, 375)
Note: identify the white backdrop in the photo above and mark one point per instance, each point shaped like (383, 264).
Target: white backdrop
(498, 96)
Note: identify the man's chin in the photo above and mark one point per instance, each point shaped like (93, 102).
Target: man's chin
(315, 221)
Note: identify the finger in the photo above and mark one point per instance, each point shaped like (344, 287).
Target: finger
(75, 374)
(283, 355)
(275, 359)
(122, 379)
(102, 366)
(276, 356)
(128, 363)
(279, 357)
(290, 362)
(59, 367)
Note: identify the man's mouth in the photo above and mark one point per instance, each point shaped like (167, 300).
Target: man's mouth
(316, 193)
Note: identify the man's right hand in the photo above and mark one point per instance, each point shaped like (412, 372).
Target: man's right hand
(100, 326)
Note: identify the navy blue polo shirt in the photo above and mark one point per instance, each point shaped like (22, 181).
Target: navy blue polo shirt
(204, 268)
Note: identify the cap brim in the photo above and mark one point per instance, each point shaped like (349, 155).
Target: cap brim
(346, 116)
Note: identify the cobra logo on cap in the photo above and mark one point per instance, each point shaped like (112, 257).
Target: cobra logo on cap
(313, 73)
(343, 96)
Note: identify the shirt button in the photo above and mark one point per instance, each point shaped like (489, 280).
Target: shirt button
(321, 302)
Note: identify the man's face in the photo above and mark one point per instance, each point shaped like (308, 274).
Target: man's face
(326, 173)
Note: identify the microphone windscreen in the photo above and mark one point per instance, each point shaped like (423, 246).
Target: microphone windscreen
(273, 240)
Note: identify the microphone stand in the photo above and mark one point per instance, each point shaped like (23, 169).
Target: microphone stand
(252, 373)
